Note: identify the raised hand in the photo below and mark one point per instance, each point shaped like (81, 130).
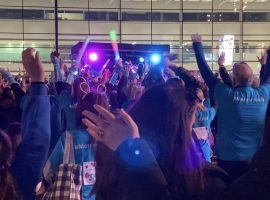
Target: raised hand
(196, 38)
(134, 91)
(263, 58)
(2, 70)
(33, 65)
(108, 129)
(221, 59)
(55, 57)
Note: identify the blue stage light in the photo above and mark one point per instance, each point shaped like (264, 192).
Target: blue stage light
(155, 59)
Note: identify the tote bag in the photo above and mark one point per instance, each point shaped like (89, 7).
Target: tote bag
(67, 182)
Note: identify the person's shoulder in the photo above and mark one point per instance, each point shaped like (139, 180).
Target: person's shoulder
(222, 86)
(222, 90)
(211, 111)
(264, 87)
(263, 90)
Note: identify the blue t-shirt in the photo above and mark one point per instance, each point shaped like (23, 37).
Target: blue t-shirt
(240, 120)
(83, 152)
(61, 111)
(204, 117)
(67, 102)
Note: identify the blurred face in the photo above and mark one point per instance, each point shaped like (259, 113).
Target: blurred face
(200, 95)
(201, 98)
(192, 119)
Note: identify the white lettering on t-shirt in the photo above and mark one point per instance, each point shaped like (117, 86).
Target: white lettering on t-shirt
(204, 118)
(83, 146)
(249, 100)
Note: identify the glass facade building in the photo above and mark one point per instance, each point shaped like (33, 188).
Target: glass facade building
(31, 23)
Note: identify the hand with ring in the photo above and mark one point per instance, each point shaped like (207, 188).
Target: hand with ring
(109, 129)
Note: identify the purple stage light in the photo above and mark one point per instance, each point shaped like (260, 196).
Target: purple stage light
(93, 57)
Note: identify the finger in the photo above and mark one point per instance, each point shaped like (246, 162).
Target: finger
(258, 58)
(37, 57)
(29, 50)
(126, 118)
(91, 131)
(28, 53)
(93, 117)
(108, 116)
(90, 125)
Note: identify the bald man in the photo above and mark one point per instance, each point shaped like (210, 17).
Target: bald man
(242, 74)
(241, 113)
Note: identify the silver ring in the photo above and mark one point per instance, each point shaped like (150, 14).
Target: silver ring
(101, 132)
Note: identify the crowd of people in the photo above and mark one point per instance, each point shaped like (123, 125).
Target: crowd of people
(127, 133)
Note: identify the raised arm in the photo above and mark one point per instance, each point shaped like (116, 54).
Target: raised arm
(266, 70)
(223, 71)
(262, 61)
(72, 71)
(32, 152)
(204, 68)
(55, 59)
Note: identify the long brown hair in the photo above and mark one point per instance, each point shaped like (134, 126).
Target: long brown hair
(164, 118)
